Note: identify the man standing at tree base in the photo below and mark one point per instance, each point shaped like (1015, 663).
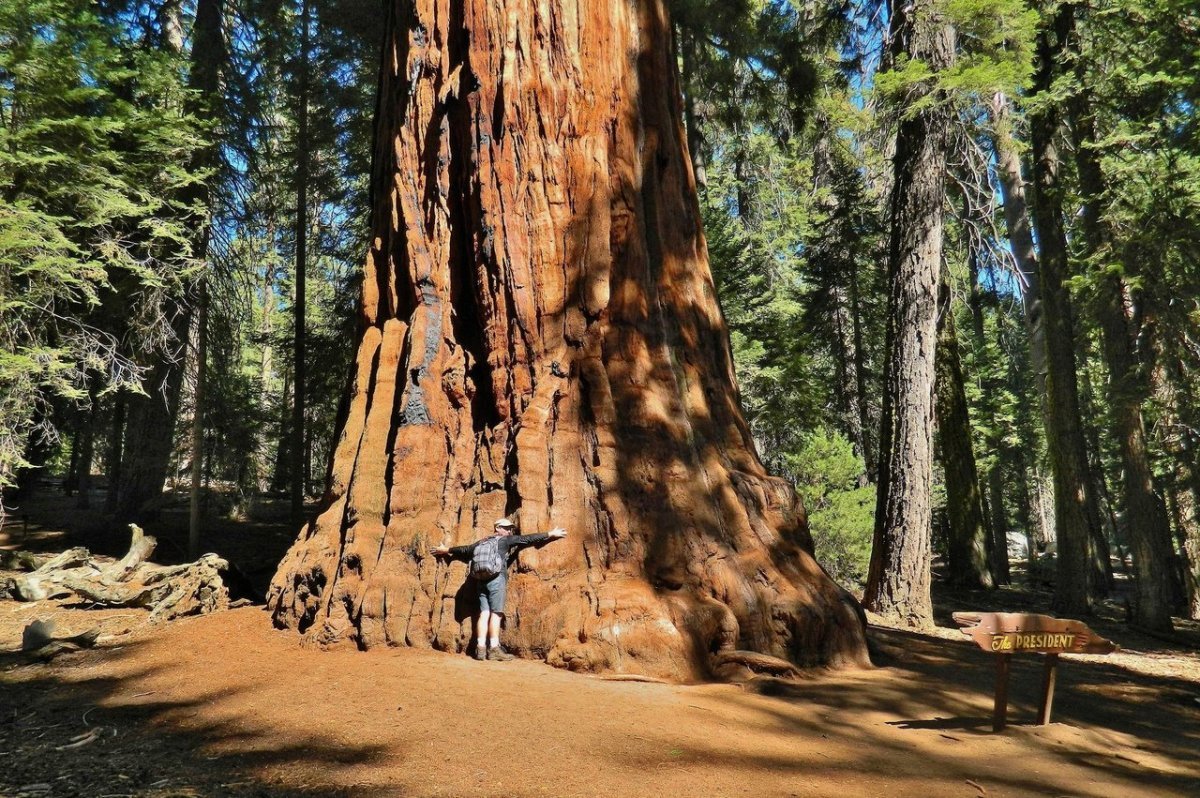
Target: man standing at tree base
(489, 560)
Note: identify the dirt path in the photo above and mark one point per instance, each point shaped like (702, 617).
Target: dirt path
(225, 705)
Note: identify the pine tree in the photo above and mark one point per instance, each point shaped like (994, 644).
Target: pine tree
(94, 239)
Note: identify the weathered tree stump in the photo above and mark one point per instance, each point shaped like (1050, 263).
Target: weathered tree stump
(167, 591)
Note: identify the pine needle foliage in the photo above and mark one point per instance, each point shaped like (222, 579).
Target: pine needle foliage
(93, 233)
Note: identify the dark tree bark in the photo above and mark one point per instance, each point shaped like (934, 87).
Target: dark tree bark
(993, 504)
(1026, 514)
(848, 380)
(151, 419)
(1181, 441)
(968, 550)
(899, 578)
(1076, 513)
(867, 422)
(87, 450)
(695, 138)
(150, 428)
(1020, 237)
(1187, 498)
(1185, 514)
(72, 477)
(541, 338)
(1091, 412)
(207, 57)
(112, 460)
(301, 268)
(1149, 528)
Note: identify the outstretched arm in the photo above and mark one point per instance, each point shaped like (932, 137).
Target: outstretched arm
(522, 541)
(462, 553)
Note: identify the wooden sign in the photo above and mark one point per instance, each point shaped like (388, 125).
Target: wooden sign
(1011, 632)
(1007, 633)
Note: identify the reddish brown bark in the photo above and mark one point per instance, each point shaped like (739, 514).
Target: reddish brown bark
(541, 338)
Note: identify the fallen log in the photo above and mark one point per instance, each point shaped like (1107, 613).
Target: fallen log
(167, 591)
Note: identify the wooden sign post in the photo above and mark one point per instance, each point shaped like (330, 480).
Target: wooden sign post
(1006, 633)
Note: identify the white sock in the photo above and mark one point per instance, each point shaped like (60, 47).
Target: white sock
(494, 642)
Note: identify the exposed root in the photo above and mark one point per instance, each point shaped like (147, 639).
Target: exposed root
(728, 663)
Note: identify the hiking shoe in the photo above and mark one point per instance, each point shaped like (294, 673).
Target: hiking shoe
(479, 653)
(499, 654)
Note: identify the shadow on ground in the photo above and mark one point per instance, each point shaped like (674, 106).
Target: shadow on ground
(923, 721)
(66, 731)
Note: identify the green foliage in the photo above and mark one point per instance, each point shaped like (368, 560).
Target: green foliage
(756, 262)
(841, 509)
(93, 233)
(993, 53)
(252, 334)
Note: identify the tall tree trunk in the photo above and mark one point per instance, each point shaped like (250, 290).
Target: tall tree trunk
(1075, 510)
(208, 54)
(1185, 514)
(839, 280)
(301, 268)
(866, 421)
(695, 138)
(540, 338)
(151, 420)
(150, 428)
(72, 478)
(264, 384)
(87, 451)
(282, 473)
(848, 381)
(899, 579)
(994, 503)
(1181, 441)
(1026, 513)
(1106, 531)
(112, 460)
(1188, 500)
(197, 431)
(1020, 237)
(968, 548)
(1149, 529)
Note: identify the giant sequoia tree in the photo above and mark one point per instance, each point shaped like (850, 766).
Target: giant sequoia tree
(540, 337)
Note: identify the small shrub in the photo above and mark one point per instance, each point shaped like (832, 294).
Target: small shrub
(841, 514)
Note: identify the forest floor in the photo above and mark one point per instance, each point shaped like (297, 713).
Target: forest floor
(225, 705)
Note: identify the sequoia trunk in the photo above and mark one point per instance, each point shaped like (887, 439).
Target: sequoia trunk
(541, 339)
